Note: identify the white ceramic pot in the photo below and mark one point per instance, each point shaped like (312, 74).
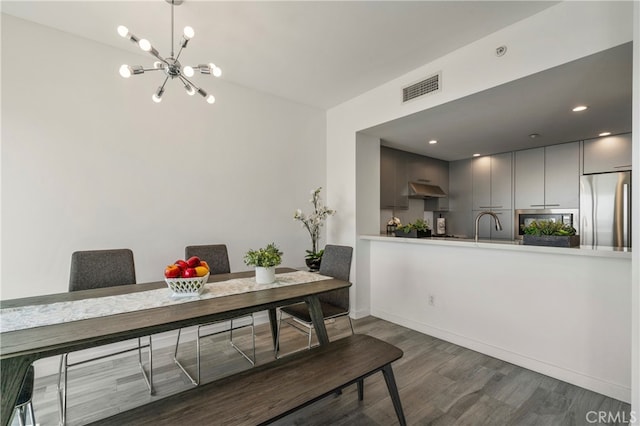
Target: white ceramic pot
(265, 275)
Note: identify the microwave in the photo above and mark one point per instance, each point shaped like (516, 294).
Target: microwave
(524, 217)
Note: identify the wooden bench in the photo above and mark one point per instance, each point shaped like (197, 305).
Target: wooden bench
(270, 391)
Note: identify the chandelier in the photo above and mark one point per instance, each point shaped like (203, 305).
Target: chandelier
(170, 66)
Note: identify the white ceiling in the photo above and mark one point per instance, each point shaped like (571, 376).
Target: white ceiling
(322, 53)
(319, 53)
(502, 118)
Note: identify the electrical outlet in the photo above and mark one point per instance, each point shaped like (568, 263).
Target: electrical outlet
(432, 300)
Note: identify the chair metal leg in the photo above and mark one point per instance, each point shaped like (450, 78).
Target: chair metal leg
(32, 413)
(22, 416)
(184, 370)
(148, 376)
(62, 389)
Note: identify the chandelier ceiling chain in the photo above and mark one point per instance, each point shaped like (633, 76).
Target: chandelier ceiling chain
(171, 66)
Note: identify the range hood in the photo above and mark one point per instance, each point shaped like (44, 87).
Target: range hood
(423, 190)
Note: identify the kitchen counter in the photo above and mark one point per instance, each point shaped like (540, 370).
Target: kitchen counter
(515, 245)
(563, 312)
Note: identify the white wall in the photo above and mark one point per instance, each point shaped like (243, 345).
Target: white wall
(89, 162)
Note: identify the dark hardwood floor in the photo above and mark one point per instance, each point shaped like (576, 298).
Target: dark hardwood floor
(440, 384)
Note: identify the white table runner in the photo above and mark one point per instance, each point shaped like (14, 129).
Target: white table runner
(60, 312)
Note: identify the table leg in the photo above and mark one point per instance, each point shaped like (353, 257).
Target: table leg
(273, 320)
(13, 373)
(315, 311)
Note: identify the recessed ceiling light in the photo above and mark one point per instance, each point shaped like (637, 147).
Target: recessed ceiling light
(580, 108)
(433, 142)
(476, 155)
(604, 134)
(534, 135)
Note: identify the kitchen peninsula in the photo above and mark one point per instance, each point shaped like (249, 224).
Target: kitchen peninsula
(563, 312)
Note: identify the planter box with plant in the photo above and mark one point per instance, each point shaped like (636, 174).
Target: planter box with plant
(548, 233)
(265, 261)
(418, 229)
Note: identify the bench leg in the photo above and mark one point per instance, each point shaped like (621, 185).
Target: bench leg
(393, 393)
(361, 390)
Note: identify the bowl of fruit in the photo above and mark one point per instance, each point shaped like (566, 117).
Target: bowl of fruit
(187, 277)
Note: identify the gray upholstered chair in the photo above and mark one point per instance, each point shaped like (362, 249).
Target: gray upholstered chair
(24, 402)
(336, 263)
(217, 258)
(99, 269)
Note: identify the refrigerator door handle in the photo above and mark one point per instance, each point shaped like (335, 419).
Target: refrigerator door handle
(626, 231)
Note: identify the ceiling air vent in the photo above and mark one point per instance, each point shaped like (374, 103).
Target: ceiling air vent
(428, 85)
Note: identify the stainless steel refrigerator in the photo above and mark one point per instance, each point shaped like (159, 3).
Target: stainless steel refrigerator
(605, 209)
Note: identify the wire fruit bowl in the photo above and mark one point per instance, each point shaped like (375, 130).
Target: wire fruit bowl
(187, 286)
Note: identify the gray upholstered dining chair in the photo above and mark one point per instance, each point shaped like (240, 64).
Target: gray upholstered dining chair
(217, 258)
(25, 397)
(93, 269)
(336, 263)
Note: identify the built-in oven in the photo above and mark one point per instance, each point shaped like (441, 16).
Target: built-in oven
(524, 218)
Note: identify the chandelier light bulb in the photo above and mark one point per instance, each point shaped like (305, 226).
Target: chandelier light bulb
(157, 99)
(217, 72)
(188, 32)
(125, 71)
(188, 71)
(211, 99)
(144, 44)
(123, 31)
(157, 65)
(190, 90)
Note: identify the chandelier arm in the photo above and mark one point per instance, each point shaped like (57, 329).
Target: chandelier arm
(179, 52)
(157, 55)
(187, 81)
(164, 82)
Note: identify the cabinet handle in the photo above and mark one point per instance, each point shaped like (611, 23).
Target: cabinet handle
(536, 205)
(490, 207)
(620, 167)
(485, 207)
(552, 205)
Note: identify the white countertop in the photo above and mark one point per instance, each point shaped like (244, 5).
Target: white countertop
(599, 251)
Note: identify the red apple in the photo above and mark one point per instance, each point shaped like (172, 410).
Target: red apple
(189, 273)
(172, 271)
(182, 264)
(193, 261)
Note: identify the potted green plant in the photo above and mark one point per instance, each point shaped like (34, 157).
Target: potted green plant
(549, 233)
(313, 223)
(418, 229)
(265, 261)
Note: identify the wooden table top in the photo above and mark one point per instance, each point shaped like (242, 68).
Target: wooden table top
(71, 336)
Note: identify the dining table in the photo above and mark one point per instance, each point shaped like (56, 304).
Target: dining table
(43, 326)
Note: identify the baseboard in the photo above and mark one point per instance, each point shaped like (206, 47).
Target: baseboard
(49, 366)
(594, 384)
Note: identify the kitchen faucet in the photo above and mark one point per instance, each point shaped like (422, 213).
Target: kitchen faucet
(495, 216)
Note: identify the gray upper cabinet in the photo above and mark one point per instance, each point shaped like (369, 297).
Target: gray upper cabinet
(393, 179)
(562, 176)
(607, 154)
(548, 177)
(433, 172)
(492, 182)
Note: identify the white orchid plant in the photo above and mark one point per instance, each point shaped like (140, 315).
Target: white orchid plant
(314, 221)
